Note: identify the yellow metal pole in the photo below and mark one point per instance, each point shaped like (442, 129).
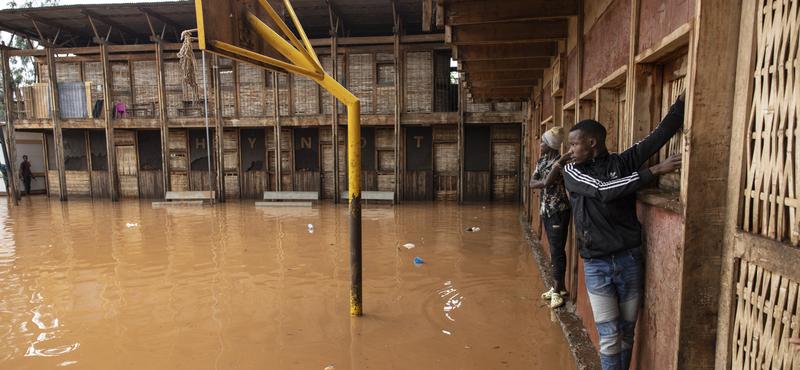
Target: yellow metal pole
(354, 180)
(304, 66)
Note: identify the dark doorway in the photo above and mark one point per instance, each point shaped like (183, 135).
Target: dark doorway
(477, 163)
(418, 182)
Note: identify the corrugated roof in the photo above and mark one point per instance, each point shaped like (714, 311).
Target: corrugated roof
(128, 21)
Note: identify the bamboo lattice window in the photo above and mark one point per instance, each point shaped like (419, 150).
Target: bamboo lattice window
(673, 85)
(773, 151)
(766, 317)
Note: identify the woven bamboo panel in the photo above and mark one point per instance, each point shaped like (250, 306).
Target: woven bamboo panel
(78, 182)
(305, 95)
(386, 160)
(230, 161)
(177, 139)
(766, 316)
(419, 81)
(508, 107)
(445, 159)
(505, 133)
(68, 72)
(252, 92)
(445, 134)
(504, 188)
(226, 86)
(179, 182)
(360, 69)
(328, 67)
(386, 182)
(145, 82)
(178, 162)
(230, 140)
(93, 72)
(505, 157)
(283, 94)
(384, 138)
(325, 134)
(386, 100)
(327, 169)
(269, 96)
(479, 107)
(674, 77)
(120, 83)
(124, 137)
(772, 187)
(53, 183)
(231, 185)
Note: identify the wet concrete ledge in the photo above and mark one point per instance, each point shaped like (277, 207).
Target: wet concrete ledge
(583, 350)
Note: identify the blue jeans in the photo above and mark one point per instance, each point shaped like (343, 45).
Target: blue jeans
(614, 284)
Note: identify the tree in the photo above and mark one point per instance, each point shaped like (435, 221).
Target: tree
(22, 68)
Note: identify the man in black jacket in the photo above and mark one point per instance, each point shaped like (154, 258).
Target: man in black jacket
(602, 188)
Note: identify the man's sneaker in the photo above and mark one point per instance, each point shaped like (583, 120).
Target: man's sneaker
(548, 294)
(556, 300)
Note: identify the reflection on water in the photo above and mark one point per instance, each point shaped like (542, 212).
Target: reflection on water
(100, 285)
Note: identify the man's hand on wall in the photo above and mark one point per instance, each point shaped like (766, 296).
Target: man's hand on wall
(671, 164)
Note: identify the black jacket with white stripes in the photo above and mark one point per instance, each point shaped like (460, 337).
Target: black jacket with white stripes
(603, 191)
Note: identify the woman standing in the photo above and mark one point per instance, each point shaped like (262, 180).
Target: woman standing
(555, 209)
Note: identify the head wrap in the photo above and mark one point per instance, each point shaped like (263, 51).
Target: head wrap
(553, 137)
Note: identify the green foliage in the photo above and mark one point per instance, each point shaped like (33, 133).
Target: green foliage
(22, 68)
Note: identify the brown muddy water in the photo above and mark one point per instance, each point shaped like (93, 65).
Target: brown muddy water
(97, 285)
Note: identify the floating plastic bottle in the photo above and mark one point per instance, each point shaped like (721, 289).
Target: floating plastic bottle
(418, 261)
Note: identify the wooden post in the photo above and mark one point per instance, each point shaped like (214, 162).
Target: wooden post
(55, 115)
(9, 145)
(162, 115)
(399, 108)
(108, 107)
(743, 95)
(461, 113)
(630, 82)
(277, 112)
(709, 112)
(335, 121)
(218, 120)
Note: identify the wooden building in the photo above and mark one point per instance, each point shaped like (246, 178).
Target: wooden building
(722, 235)
(120, 121)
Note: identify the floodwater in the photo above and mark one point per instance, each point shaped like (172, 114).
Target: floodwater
(98, 285)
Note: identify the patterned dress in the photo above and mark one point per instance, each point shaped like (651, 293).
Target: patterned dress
(554, 197)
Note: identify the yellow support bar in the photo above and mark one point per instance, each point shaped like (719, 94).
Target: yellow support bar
(300, 30)
(309, 54)
(265, 59)
(279, 43)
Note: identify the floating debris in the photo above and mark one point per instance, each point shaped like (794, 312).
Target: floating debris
(310, 228)
(472, 229)
(131, 224)
(418, 261)
(409, 245)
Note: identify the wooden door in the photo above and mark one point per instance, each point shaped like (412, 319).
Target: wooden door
(418, 181)
(127, 171)
(445, 163)
(505, 163)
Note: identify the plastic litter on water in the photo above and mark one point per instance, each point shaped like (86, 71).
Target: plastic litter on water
(131, 224)
(473, 229)
(447, 332)
(330, 367)
(409, 245)
(310, 228)
(418, 261)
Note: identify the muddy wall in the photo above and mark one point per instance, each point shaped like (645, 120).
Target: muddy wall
(659, 18)
(606, 40)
